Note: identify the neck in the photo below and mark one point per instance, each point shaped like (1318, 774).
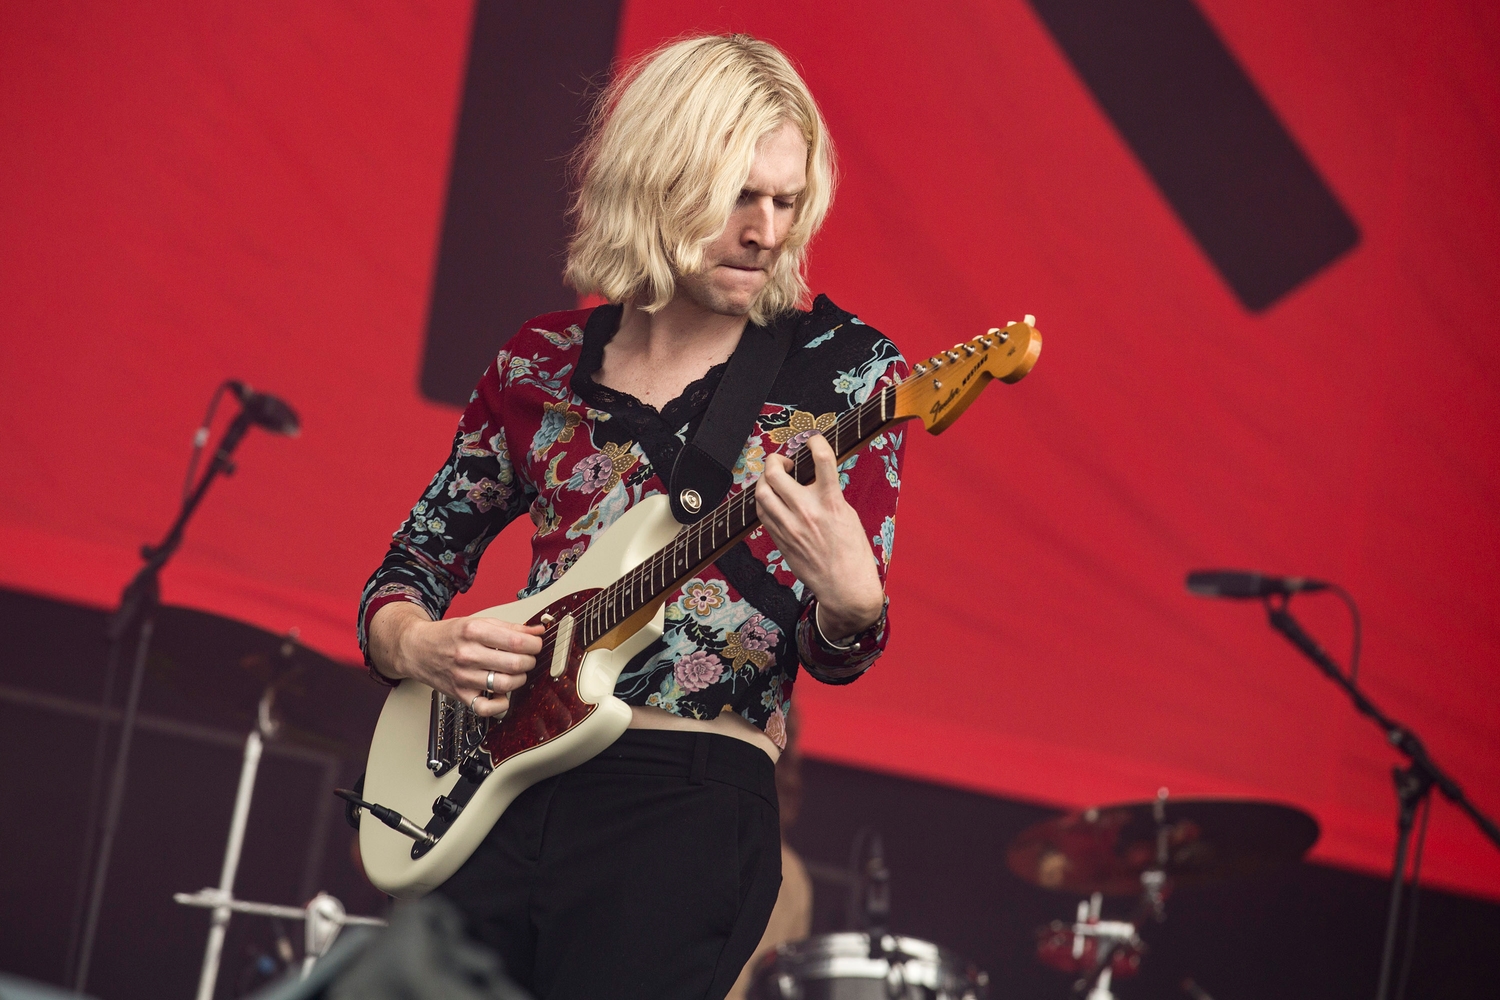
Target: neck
(680, 326)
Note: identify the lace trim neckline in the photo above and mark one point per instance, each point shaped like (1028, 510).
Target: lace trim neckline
(598, 330)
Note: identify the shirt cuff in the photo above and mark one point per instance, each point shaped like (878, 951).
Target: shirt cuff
(839, 663)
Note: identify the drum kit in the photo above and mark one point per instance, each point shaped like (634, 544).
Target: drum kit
(1140, 850)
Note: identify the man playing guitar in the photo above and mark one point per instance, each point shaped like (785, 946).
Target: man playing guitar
(650, 870)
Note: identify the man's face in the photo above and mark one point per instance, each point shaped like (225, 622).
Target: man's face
(737, 264)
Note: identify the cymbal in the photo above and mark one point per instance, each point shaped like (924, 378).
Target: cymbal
(1204, 842)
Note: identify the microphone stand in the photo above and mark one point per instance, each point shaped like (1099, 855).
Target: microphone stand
(1414, 783)
(137, 613)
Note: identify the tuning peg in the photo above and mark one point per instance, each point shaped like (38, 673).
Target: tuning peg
(969, 349)
(919, 369)
(1029, 320)
(952, 355)
(935, 361)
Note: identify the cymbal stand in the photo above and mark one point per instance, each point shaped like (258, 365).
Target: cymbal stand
(266, 726)
(1114, 935)
(1109, 935)
(1414, 783)
(324, 915)
(136, 614)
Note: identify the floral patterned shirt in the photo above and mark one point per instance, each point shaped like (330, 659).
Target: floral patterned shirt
(541, 437)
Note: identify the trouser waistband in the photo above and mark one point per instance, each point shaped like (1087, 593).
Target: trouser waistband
(695, 757)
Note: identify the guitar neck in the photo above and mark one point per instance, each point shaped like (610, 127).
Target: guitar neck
(699, 544)
(936, 391)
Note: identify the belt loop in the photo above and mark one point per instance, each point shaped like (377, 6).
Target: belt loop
(699, 773)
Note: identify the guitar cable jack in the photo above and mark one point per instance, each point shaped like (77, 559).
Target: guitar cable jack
(389, 817)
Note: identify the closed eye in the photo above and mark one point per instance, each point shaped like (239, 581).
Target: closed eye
(781, 201)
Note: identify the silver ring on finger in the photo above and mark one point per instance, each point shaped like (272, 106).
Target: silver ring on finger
(474, 701)
(489, 684)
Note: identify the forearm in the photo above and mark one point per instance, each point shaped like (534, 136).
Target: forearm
(387, 627)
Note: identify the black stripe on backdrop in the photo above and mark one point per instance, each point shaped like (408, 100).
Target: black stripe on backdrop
(1203, 131)
(1205, 134)
(531, 69)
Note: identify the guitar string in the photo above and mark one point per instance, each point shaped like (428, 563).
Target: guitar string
(595, 608)
(801, 466)
(734, 517)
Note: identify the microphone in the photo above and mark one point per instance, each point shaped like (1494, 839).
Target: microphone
(266, 410)
(1239, 584)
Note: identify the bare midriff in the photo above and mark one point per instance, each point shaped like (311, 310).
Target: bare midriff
(727, 723)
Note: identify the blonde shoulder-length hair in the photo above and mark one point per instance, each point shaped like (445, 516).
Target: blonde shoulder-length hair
(668, 150)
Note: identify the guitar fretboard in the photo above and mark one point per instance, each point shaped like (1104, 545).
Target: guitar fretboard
(698, 543)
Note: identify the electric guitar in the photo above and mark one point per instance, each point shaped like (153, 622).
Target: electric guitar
(439, 776)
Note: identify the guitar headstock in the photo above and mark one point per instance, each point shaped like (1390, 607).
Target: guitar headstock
(943, 386)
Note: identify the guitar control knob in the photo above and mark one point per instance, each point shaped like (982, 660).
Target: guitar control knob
(474, 769)
(446, 809)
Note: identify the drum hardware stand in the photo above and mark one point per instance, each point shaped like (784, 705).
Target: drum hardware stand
(266, 726)
(869, 899)
(1110, 935)
(876, 880)
(1414, 783)
(137, 613)
(1115, 935)
(1138, 849)
(870, 893)
(324, 915)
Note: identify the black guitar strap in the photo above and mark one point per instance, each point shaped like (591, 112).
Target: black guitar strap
(705, 464)
(704, 469)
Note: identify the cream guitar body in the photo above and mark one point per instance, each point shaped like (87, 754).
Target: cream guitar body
(398, 775)
(439, 776)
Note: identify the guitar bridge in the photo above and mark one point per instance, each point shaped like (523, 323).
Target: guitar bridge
(452, 733)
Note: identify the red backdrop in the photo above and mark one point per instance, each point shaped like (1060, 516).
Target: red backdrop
(190, 192)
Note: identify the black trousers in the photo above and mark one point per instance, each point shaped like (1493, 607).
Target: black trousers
(648, 872)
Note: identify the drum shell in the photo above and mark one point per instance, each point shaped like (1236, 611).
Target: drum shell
(840, 967)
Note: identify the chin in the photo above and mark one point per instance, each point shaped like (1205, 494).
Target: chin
(726, 302)
(737, 306)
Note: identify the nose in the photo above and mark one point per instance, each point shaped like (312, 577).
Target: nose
(760, 224)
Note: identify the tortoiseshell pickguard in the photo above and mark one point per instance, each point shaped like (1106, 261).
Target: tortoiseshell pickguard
(545, 707)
